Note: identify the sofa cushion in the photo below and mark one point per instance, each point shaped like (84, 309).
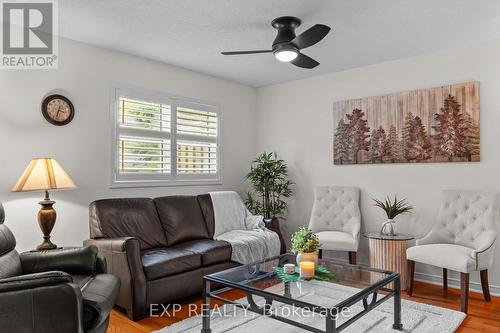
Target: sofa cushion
(211, 251)
(181, 218)
(131, 217)
(162, 262)
(207, 208)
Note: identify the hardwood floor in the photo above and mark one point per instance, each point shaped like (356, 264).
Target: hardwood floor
(483, 317)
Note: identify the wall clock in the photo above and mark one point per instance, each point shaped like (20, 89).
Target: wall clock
(58, 110)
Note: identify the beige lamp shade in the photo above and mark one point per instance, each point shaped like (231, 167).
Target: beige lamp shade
(43, 174)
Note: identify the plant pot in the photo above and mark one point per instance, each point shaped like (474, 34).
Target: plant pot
(307, 256)
(388, 228)
(274, 225)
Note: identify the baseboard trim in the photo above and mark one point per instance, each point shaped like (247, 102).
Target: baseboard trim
(454, 283)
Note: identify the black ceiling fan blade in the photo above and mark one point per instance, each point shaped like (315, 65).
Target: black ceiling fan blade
(304, 61)
(311, 36)
(246, 52)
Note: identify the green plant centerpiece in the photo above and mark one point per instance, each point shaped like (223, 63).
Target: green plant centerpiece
(392, 208)
(305, 243)
(270, 186)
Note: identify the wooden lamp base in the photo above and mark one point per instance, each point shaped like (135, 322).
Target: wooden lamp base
(46, 221)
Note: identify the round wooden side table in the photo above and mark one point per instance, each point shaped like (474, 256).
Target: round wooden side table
(389, 253)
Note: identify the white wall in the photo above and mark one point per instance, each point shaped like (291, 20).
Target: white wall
(296, 120)
(86, 75)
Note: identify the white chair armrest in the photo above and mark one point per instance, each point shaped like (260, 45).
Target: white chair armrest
(484, 241)
(485, 247)
(355, 232)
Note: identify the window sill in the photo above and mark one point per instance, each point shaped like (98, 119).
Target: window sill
(156, 183)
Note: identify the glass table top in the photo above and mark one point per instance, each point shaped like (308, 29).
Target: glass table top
(263, 277)
(396, 237)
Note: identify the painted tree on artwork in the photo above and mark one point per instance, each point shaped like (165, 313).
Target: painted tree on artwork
(359, 130)
(450, 130)
(342, 143)
(422, 143)
(408, 138)
(382, 146)
(378, 145)
(393, 145)
(373, 148)
(416, 143)
(471, 142)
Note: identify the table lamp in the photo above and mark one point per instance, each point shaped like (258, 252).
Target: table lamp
(44, 174)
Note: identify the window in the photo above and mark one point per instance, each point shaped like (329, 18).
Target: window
(162, 140)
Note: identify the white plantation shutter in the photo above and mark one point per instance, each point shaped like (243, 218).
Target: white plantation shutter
(162, 140)
(196, 141)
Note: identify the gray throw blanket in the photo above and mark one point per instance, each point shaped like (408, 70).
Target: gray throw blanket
(249, 239)
(250, 246)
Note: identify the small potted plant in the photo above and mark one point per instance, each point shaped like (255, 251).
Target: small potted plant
(392, 208)
(305, 243)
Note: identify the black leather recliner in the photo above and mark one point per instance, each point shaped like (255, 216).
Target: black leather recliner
(53, 291)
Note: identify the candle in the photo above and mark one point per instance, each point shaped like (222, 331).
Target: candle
(307, 270)
(289, 268)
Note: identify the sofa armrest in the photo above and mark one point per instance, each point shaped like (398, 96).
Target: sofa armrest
(99, 296)
(123, 259)
(72, 261)
(43, 302)
(101, 265)
(36, 280)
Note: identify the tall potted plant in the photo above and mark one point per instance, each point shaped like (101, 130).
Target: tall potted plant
(271, 186)
(270, 189)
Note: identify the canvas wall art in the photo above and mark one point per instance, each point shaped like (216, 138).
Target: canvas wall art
(439, 124)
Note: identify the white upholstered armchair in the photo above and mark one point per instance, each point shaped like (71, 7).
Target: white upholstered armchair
(462, 240)
(336, 219)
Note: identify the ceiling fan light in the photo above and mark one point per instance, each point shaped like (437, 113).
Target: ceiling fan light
(286, 55)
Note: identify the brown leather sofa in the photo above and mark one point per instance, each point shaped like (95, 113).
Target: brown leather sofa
(159, 248)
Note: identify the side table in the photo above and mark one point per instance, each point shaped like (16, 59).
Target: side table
(389, 253)
(62, 248)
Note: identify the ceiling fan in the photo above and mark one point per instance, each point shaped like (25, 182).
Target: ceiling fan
(287, 46)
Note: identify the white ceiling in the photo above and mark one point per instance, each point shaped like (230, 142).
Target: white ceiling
(191, 33)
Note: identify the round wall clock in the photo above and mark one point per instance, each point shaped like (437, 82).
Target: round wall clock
(58, 110)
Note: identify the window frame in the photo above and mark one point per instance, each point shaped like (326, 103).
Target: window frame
(120, 180)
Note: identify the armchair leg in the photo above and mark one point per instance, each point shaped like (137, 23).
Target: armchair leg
(352, 257)
(411, 274)
(445, 279)
(485, 285)
(464, 287)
